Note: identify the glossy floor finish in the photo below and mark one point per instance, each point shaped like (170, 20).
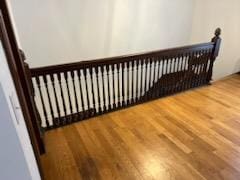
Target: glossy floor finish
(192, 135)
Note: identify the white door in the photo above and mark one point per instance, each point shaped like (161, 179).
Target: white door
(18, 122)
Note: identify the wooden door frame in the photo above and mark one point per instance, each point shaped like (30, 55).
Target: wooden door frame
(16, 66)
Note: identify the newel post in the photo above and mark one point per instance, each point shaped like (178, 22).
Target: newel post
(27, 72)
(217, 42)
(37, 122)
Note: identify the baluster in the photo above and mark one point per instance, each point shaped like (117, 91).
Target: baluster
(56, 99)
(170, 78)
(195, 79)
(207, 65)
(186, 72)
(62, 97)
(202, 66)
(118, 78)
(138, 66)
(182, 71)
(210, 63)
(153, 81)
(180, 65)
(114, 87)
(142, 80)
(194, 66)
(109, 90)
(123, 84)
(155, 77)
(69, 97)
(199, 62)
(191, 69)
(169, 81)
(42, 101)
(98, 89)
(151, 78)
(179, 70)
(176, 89)
(162, 89)
(181, 62)
(75, 93)
(164, 70)
(174, 75)
(81, 93)
(209, 69)
(87, 92)
(160, 75)
(165, 80)
(104, 94)
(185, 69)
(146, 80)
(127, 84)
(49, 99)
(174, 60)
(91, 71)
(178, 62)
(195, 69)
(133, 82)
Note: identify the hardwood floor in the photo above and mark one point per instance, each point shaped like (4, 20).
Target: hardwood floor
(192, 135)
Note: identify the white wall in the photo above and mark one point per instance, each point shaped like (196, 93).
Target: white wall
(53, 32)
(225, 14)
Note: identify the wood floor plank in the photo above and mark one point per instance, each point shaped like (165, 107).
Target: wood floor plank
(57, 153)
(114, 149)
(98, 156)
(86, 164)
(193, 135)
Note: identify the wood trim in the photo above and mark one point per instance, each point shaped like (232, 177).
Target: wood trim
(117, 59)
(17, 70)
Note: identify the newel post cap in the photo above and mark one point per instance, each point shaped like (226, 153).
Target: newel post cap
(218, 32)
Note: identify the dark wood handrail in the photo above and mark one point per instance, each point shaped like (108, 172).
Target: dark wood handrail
(117, 59)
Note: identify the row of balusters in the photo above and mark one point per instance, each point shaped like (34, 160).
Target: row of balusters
(196, 73)
(70, 96)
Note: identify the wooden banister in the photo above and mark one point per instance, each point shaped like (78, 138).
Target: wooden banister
(117, 59)
(71, 92)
